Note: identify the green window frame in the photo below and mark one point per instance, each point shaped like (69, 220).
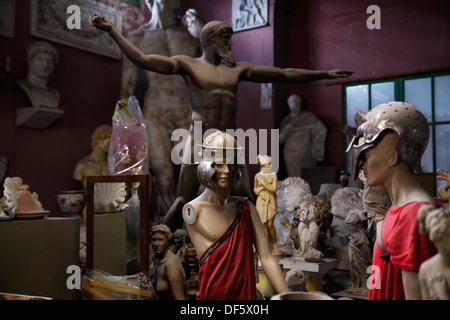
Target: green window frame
(430, 92)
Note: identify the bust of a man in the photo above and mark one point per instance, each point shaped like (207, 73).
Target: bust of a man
(41, 58)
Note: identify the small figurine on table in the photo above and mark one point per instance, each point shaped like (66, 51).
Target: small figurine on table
(265, 188)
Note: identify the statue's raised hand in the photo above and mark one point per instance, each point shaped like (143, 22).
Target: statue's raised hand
(333, 74)
(100, 22)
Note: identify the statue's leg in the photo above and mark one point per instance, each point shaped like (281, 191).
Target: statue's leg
(187, 191)
(160, 157)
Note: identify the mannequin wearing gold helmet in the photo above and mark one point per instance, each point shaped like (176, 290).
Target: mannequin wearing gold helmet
(224, 229)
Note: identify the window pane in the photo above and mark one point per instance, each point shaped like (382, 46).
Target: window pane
(443, 147)
(418, 93)
(381, 93)
(357, 97)
(427, 158)
(442, 98)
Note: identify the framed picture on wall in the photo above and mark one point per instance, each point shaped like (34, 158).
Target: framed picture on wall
(249, 14)
(50, 20)
(7, 17)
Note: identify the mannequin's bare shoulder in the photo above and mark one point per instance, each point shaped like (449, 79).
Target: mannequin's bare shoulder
(192, 210)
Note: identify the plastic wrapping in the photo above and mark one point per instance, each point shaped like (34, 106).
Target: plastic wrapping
(128, 150)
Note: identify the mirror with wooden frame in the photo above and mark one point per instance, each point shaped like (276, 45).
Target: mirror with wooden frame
(108, 244)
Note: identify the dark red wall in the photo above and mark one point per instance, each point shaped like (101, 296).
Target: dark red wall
(330, 34)
(325, 34)
(89, 85)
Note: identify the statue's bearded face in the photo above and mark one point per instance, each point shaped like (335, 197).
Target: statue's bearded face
(222, 46)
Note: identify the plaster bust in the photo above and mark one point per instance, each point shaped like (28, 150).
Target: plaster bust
(41, 58)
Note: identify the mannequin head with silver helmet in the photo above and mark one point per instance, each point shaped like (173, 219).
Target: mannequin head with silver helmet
(221, 159)
(224, 228)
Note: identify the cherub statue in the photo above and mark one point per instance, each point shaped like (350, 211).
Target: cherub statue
(308, 230)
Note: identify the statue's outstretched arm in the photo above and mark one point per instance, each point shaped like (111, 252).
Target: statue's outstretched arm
(153, 62)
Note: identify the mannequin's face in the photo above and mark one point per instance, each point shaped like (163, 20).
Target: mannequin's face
(376, 160)
(223, 174)
(42, 64)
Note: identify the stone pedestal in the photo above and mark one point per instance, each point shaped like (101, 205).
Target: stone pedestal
(37, 117)
(313, 270)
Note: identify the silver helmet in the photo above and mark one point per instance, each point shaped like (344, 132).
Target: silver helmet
(218, 146)
(405, 120)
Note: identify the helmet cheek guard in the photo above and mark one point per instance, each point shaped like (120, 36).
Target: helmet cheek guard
(405, 120)
(357, 147)
(205, 171)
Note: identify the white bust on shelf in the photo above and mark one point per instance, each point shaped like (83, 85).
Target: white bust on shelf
(41, 58)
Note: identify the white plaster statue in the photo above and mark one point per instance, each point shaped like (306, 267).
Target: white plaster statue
(41, 58)
(303, 136)
(166, 104)
(359, 247)
(265, 187)
(296, 279)
(193, 22)
(212, 81)
(289, 191)
(8, 203)
(250, 13)
(342, 202)
(434, 273)
(376, 203)
(292, 189)
(308, 229)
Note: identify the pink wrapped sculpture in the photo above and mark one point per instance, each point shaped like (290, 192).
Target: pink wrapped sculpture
(128, 150)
